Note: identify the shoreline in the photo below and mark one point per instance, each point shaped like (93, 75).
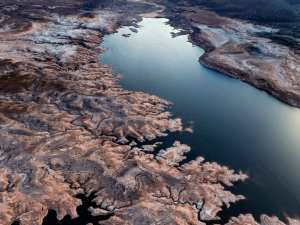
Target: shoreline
(64, 128)
(274, 72)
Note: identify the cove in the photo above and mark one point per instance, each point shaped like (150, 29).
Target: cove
(235, 124)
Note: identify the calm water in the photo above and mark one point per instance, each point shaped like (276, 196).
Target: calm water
(235, 124)
(84, 216)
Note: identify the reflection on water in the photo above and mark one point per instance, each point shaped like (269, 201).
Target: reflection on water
(235, 124)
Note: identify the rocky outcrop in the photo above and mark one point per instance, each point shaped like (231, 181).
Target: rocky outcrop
(174, 154)
(233, 48)
(265, 220)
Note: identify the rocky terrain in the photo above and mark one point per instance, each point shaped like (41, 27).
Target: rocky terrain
(233, 49)
(65, 126)
(280, 14)
(240, 49)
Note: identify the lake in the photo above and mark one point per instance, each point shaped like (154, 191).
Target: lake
(235, 124)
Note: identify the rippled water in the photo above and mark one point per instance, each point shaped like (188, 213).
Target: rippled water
(235, 124)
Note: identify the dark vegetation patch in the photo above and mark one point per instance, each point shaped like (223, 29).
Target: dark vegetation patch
(280, 14)
(92, 4)
(281, 38)
(260, 11)
(61, 7)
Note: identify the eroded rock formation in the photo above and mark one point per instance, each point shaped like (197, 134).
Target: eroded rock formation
(264, 220)
(233, 48)
(65, 124)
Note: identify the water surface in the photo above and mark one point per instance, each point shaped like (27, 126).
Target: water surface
(235, 124)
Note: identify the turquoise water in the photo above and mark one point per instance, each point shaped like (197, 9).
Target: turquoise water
(235, 124)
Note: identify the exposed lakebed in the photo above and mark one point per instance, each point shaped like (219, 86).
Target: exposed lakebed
(235, 124)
